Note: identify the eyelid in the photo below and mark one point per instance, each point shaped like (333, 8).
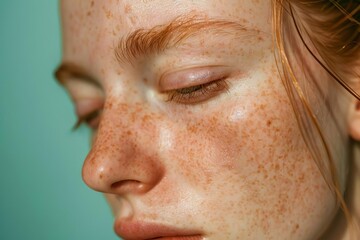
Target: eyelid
(80, 88)
(85, 106)
(201, 92)
(192, 77)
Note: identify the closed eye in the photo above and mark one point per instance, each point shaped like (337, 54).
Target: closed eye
(198, 93)
(91, 119)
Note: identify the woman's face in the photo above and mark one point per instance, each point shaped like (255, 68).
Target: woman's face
(196, 135)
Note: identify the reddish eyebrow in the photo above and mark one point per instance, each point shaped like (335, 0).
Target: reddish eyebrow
(71, 70)
(143, 42)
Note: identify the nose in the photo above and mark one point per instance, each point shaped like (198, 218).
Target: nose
(123, 158)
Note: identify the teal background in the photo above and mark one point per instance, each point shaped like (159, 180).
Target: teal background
(42, 195)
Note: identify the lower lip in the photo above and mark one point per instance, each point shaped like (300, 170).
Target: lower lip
(195, 237)
(139, 230)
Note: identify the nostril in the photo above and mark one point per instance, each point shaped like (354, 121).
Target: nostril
(129, 186)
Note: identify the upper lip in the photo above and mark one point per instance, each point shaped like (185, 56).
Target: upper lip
(136, 230)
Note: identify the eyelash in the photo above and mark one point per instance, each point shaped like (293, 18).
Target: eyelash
(87, 119)
(198, 93)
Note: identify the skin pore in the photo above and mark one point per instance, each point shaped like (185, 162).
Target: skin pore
(198, 132)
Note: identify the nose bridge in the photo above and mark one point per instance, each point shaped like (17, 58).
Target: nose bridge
(123, 157)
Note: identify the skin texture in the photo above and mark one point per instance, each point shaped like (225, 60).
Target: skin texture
(231, 166)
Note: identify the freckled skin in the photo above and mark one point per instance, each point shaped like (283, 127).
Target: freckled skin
(234, 167)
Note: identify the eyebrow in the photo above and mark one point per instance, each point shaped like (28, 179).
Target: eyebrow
(144, 42)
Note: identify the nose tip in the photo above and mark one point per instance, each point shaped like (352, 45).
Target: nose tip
(109, 175)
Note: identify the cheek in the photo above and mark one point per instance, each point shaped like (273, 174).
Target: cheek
(250, 134)
(250, 154)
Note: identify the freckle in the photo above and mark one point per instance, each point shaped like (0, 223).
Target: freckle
(296, 228)
(108, 13)
(88, 13)
(277, 167)
(101, 176)
(134, 91)
(109, 105)
(92, 4)
(302, 177)
(146, 119)
(268, 123)
(128, 8)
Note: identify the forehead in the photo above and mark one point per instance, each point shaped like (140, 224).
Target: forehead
(91, 28)
(145, 12)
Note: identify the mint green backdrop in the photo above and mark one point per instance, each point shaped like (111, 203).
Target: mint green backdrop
(42, 195)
